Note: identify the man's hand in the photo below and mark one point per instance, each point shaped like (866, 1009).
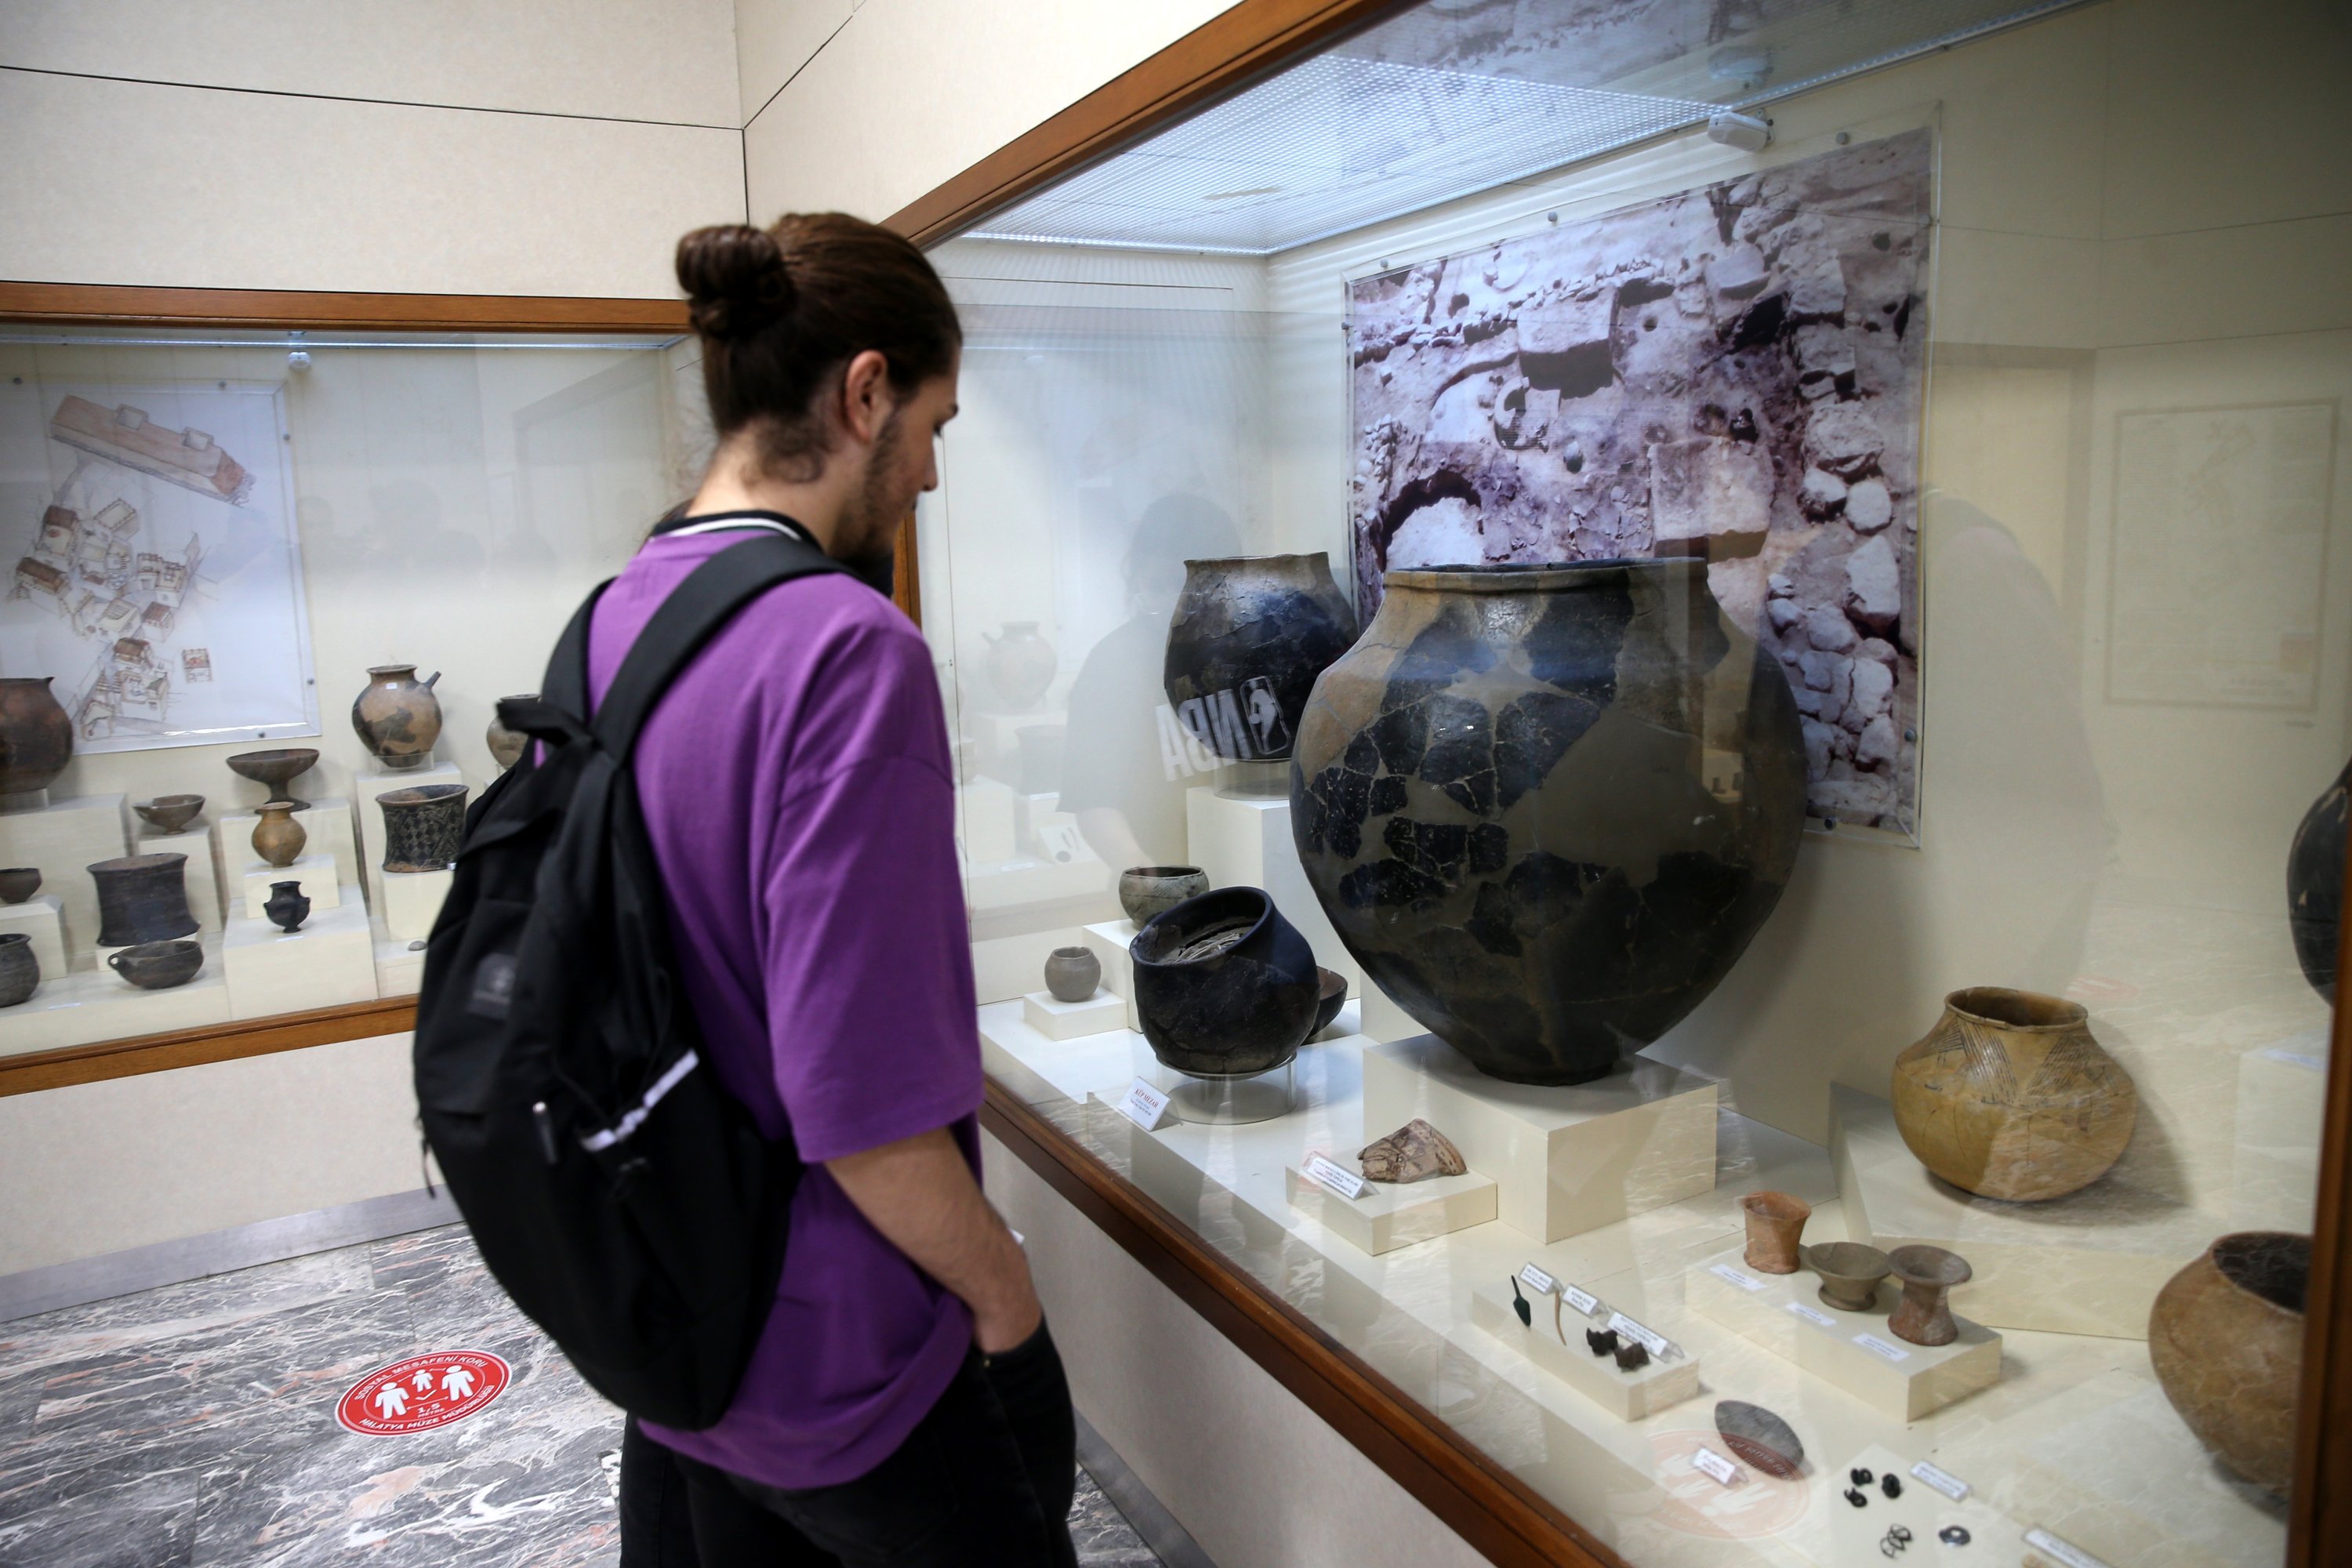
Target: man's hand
(919, 1194)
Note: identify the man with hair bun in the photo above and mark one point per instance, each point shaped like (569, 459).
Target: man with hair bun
(904, 1403)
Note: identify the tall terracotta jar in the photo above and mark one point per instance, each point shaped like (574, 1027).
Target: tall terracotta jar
(397, 716)
(2009, 1096)
(1020, 665)
(1547, 807)
(1248, 637)
(35, 737)
(2226, 1338)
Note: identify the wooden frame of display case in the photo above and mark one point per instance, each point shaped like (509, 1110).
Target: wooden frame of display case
(1489, 1509)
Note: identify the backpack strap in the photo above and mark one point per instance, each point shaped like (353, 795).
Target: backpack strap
(693, 613)
(565, 687)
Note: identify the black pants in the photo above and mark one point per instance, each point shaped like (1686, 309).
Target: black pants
(985, 1478)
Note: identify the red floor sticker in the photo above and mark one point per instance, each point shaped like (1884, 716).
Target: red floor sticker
(422, 1393)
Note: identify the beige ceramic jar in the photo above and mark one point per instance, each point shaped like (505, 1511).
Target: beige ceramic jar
(277, 837)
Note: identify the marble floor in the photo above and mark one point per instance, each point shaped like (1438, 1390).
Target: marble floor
(195, 1425)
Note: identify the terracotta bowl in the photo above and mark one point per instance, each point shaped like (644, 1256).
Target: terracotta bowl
(2226, 1339)
(276, 770)
(170, 813)
(1850, 1273)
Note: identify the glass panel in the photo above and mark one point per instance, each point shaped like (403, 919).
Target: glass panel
(2016, 373)
(215, 538)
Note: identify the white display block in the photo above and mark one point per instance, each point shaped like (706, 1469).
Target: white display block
(1109, 940)
(372, 782)
(1389, 1216)
(1244, 841)
(328, 831)
(40, 917)
(1059, 1020)
(62, 838)
(92, 1005)
(411, 902)
(1628, 1396)
(1382, 1018)
(2089, 1263)
(1898, 1379)
(203, 871)
(1568, 1160)
(984, 822)
(328, 962)
(2275, 1175)
(315, 872)
(399, 961)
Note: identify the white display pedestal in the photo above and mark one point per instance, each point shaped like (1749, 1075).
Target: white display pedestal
(315, 872)
(1786, 1315)
(411, 902)
(1059, 1020)
(203, 871)
(399, 963)
(40, 917)
(1386, 1217)
(90, 1004)
(1628, 1396)
(372, 782)
(1244, 841)
(327, 829)
(984, 822)
(2089, 1263)
(1567, 1160)
(1109, 939)
(62, 838)
(1384, 1019)
(328, 962)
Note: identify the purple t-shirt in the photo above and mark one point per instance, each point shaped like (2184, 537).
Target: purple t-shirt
(796, 782)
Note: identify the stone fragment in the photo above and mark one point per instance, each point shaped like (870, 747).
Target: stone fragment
(1868, 507)
(1816, 281)
(1820, 494)
(1413, 1152)
(1565, 345)
(1845, 439)
(1874, 584)
(1828, 631)
(1877, 649)
(1822, 350)
(1817, 747)
(1830, 674)
(1738, 272)
(1779, 585)
(1783, 612)
(1873, 689)
(1877, 746)
(1709, 495)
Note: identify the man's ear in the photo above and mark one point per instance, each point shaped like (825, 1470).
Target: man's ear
(867, 398)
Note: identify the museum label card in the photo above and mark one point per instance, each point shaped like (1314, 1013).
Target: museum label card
(1810, 1316)
(1881, 1349)
(1327, 1172)
(2059, 1551)
(1709, 1462)
(1747, 1282)
(1652, 1341)
(1584, 1301)
(1943, 1480)
(1142, 1105)
(1536, 1280)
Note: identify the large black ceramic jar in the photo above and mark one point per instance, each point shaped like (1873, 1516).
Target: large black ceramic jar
(1547, 806)
(2314, 884)
(1224, 984)
(1248, 637)
(141, 898)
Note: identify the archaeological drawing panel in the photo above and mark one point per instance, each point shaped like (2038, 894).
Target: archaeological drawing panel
(1735, 371)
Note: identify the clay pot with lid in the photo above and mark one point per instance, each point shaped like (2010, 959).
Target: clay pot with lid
(2226, 1340)
(2009, 1097)
(20, 970)
(141, 898)
(397, 716)
(277, 838)
(1775, 1222)
(36, 735)
(1248, 636)
(1924, 1316)
(1020, 665)
(1224, 985)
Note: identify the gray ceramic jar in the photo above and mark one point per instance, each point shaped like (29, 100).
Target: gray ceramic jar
(1248, 636)
(20, 971)
(1073, 973)
(141, 898)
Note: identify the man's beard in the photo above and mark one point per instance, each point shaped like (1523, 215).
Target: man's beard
(872, 531)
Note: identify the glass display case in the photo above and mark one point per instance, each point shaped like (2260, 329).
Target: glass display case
(265, 587)
(1651, 707)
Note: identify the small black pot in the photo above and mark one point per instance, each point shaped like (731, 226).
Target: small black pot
(287, 908)
(1224, 985)
(142, 898)
(2314, 884)
(20, 971)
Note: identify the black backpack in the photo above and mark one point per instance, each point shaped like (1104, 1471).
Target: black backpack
(622, 1196)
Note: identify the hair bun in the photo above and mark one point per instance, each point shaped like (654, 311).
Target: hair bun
(734, 280)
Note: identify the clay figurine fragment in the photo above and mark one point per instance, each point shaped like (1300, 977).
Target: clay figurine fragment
(1760, 1437)
(1850, 1273)
(1631, 1355)
(18, 883)
(1600, 1342)
(1775, 1221)
(1924, 1316)
(1520, 1305)
(1413, 1152)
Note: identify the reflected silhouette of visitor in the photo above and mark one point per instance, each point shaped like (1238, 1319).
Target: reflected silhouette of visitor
(1118, 777)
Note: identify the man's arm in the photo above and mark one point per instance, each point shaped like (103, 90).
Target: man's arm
(920, 1194)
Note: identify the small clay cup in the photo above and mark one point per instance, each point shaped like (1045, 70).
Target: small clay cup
(170, 813)
(158, 965)
(277, 837)
(1850, 1273)
(1072, 974)
(20, 971)
(18, 883)
(1924, 1316)
(1775, 1221)
(1145, 890)
(1330, 1000)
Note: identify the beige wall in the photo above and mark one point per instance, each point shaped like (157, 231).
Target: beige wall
(534, 148)
(863, 105)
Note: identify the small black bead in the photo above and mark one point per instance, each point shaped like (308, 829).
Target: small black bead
(1953, 1535)
(1861, 1476)
(1855, 1498)
(1891, 1484)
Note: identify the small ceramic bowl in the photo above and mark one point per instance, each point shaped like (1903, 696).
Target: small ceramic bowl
(1850, 1273)
(158, 965)
(1146, 890)
(18, 883)
(170, 813)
